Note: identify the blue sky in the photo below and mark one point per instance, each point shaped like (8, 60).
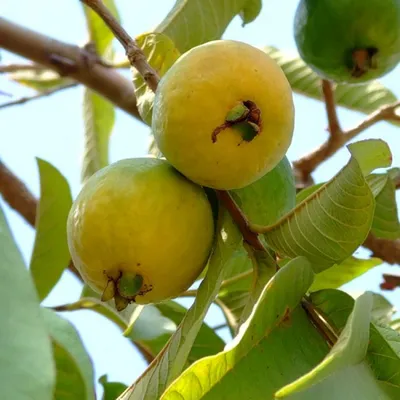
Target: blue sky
(52, 129)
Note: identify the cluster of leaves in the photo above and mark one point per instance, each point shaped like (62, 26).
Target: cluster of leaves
(295, 334)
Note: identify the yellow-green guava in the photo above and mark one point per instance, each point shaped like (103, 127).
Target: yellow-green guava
(140, 231)
(223, 114)
(349, 41)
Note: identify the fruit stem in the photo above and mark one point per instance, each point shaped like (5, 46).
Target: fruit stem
(363, 60)
(129, 285)
(246, 116)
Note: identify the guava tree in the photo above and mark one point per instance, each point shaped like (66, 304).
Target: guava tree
(217, 214)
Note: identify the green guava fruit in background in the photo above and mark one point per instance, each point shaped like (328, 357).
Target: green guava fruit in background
(269, 198)
(349, 41)
(223, 114)
(140, 231)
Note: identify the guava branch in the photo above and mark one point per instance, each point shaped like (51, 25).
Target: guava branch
(337, 137)
(134, 53)
(23, 100)
(19, 198)
(9, 68)
(390, 282)
(69, 60)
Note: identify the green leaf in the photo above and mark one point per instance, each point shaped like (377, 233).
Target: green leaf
(349, 350)
(161, 53)
(169, 363)
(26, 363)
(193, 22)
(382, 309)
(315, 227)
(111, 390)
(99, 117)
(99, 33)
(381, 356)
(75, 377)
(365, 98)
(270, 197)
(386, 223)
(344, 272)
(50, 252)
(41, 80)
(263, 352)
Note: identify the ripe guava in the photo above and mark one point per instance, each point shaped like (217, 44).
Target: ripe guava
(140, 231)
(223, 114)
(350, 41)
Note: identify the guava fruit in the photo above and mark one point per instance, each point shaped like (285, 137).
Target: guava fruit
(350, 41)
(140, 231)
(223, 114)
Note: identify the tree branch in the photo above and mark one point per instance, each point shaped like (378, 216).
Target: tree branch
(134, 53)
(69, 60)
(19, 198)
(385, 249)
(390, 282)
(39, 95)
(338, 138)
(9, 68)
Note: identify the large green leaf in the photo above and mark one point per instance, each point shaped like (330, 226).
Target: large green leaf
(75, 377)
(344, 272)
(40, 80)
(169, 363)
(193, 22)
(386, 223)
(347, 355)
(260, 359)
(26, 362)
(315, 228)
(161, 53)
(382, 357)
(99, 117)
(111, 390)
(99, 33)
(365, 98)
(50, 253)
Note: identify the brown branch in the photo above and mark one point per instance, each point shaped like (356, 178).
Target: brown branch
(134, 53)
(69, 60)
(5, 69)
(338, 138)
(39, 95)
(19, 198)
(385, 249)
(390, 282)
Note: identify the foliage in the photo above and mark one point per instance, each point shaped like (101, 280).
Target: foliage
(295, 333)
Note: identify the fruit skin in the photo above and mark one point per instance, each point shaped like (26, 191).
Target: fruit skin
(194, 98)
(327, 32)
(142, 216)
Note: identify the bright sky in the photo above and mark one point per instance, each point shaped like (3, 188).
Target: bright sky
(52, 130)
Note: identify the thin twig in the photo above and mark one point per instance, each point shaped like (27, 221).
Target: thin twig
(134, 53)
(338, 138)
(39, 95)
(18, 197)
(9, 68)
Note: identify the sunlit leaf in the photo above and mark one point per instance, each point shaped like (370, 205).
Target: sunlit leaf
(50, 253)
(75, 376)
(365, 97)
(161, 53)
(344, 272)
(258, 360)
(193, 22)
(40, 80)
(99, 117)
(171, 361)
(99, 33)
(26, 363)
